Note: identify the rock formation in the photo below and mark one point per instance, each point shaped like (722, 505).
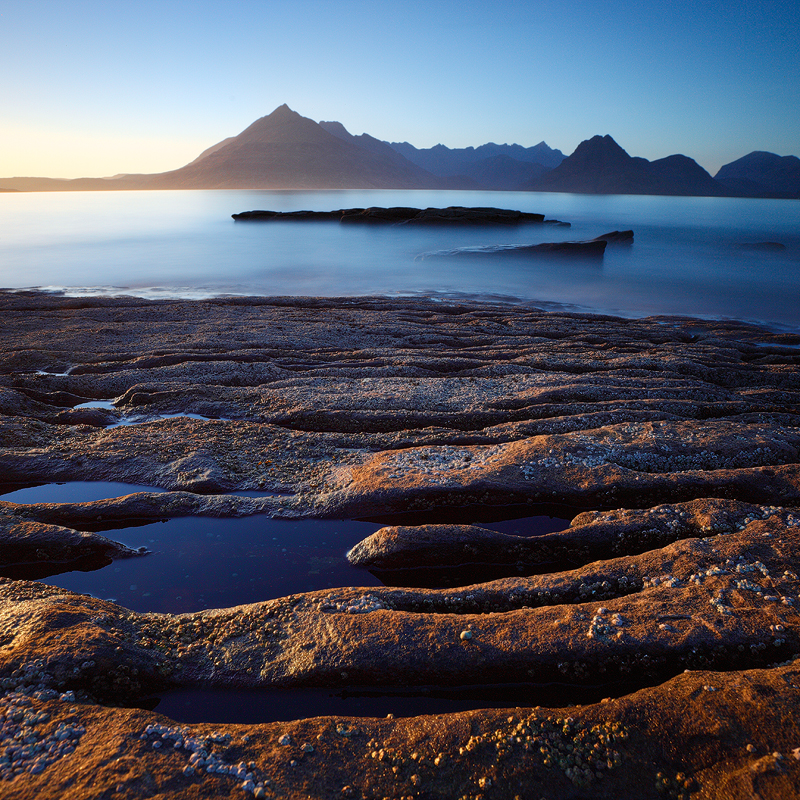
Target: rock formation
(653, 651)
(452, 215)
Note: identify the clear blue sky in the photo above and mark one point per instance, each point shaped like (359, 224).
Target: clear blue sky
(97, 87)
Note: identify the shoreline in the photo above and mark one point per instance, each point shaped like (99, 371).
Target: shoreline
(676, 438)
(158, 294)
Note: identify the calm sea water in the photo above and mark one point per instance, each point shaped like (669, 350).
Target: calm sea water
(685, 258)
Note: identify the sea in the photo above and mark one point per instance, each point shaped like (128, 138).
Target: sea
(691, 256)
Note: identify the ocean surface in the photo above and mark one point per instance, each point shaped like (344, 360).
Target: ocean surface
(687, 257)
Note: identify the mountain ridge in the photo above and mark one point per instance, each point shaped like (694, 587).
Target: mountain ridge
(600, 166)
(762, 174)
(284, 150)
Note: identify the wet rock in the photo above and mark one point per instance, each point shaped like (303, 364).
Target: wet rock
(453, 215)
(24, 542)
(459, 215)
(376, 215)
(591, 249)
(287, 216)
(615, 237)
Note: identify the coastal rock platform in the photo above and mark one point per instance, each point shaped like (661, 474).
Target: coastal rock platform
(669, 604)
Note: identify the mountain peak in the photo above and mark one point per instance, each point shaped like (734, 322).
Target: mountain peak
(337, 129)
(599, 143)
(283, 126)
(283, 109)
(762, 174)
(600, 166)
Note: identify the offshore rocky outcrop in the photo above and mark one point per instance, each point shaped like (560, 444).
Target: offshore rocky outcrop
(402, 215)
(668, 606)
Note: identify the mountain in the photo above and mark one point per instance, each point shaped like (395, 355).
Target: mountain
(284, 150)
(504, 173)
(365, 141)
(287, 151)
(600, 166)
(280, 151)
(490, 166)
(761, 174)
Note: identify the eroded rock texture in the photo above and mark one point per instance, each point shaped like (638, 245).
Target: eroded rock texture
(673, 593)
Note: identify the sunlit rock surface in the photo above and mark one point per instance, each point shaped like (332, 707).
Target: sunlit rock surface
(675, 587)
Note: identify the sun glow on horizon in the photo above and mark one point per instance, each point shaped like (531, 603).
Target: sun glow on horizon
(40, 152)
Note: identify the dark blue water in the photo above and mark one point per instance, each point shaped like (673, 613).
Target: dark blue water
(196, 563)
(71, 492)
(685, 258)
(271, 705)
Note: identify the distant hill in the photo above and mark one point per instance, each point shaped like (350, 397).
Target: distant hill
(504, 172)
(490, 166)
(600, 166)
(761, 174)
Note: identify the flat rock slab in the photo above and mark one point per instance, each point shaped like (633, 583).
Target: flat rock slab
(400, 215)
(700, 735)
(674, 588)
(591, 249)
(28, 543)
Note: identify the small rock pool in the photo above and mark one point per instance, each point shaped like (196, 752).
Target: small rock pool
(197, 563)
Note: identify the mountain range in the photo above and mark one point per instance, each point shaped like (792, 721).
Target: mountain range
(285, 150)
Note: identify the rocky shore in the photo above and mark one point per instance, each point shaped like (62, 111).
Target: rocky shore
(672, 444)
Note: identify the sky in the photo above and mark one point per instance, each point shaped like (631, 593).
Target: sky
(100, 87)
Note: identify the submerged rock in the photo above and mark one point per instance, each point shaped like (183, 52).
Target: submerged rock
(615, 237)
(767, 247)
(591, 249)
